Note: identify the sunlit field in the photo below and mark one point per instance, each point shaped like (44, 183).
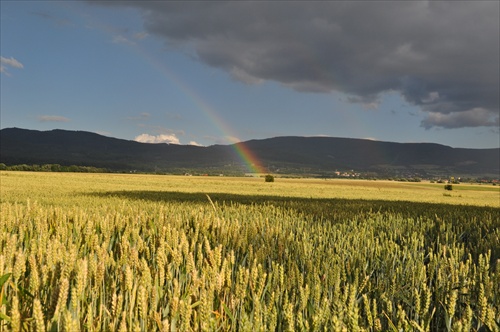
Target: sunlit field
(75, 188)
(121, 252)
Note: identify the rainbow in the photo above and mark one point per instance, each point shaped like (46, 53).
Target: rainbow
(247, 157)
(251, 162)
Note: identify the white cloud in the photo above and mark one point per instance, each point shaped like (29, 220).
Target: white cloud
(10, 62)
(368, 103)
(232, 139)
(476, 117)
(432, 97)
(119, 39)
(146, 138)
(52, 118)
(243, 76)
(371, 106)
(195, 143)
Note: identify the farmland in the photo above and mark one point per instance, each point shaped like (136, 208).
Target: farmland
(114, 252)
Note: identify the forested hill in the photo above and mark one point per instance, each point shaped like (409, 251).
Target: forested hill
(287, 155)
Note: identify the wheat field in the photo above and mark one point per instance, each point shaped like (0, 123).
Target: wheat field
(109, 252)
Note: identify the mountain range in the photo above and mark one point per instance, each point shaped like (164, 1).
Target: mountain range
(313, 156)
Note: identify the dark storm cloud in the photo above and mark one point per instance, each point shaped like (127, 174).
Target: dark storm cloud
(441, 56)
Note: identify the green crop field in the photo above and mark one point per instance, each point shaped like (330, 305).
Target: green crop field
(115, 252)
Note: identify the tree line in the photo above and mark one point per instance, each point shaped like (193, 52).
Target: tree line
(53, 168)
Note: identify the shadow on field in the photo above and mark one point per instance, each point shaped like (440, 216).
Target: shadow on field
(222, 199)
(336, 210)
(195, 197)
(473, 226)
(332, 209)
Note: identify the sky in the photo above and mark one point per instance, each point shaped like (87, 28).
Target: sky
(218, 72)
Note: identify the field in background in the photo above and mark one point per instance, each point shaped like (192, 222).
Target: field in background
(75, 186)
(143, 252)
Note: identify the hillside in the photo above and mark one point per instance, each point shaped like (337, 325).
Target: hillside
(287, 155)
